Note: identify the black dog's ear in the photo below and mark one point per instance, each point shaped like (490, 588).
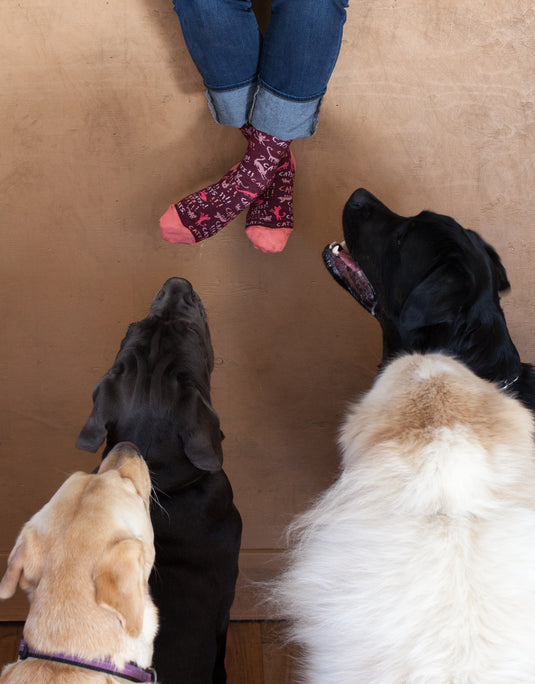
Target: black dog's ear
(94, 431)
(199, 431)
(498, 269)
(437, 299)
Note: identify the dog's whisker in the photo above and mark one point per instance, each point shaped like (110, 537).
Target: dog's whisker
(156, 502)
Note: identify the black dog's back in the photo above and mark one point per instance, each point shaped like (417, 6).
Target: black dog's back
(432, 285)
(157, 395)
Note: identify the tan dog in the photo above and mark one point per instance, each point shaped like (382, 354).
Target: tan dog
(84, 560)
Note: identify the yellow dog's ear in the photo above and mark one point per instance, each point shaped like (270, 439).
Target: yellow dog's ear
(22, 564)
(119, 583)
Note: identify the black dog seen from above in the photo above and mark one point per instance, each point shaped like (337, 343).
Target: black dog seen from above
(432, 285)
(157, 395)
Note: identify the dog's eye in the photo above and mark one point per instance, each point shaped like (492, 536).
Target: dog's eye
(399, 236)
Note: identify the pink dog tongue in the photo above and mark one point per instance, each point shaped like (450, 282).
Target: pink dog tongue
(348, 261)
(353, 275)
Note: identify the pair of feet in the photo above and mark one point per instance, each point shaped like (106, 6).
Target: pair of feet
(262, 183)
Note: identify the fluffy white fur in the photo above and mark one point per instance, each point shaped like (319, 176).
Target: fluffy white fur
(418, 565)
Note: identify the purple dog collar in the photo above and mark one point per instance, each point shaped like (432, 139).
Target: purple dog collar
(130, 672)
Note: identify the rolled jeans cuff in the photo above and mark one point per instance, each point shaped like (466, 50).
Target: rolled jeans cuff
(267, 112)
(231, 107)
(285, 119)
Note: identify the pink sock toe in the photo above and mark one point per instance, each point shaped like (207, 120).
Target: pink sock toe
(202, 214)
(172, 228)
(269, 240)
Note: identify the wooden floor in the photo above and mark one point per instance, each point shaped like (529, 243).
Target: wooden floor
(255, 654)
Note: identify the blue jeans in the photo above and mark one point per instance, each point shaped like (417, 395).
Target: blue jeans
(275, 82)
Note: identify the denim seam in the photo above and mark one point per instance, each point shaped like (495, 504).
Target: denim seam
(284, 96)
(223, 89)
(340, 37)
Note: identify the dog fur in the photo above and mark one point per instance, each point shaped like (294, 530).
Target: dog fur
(432, 285)
(157, 395)
(416, 565)
(84, 560)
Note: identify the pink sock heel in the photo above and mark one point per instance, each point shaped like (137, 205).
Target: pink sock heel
(269, 240)
(173, 230)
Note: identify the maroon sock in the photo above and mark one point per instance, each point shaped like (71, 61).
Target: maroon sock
(270, 218)
(204, 213)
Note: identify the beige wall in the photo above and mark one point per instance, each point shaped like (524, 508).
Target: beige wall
(104, 123)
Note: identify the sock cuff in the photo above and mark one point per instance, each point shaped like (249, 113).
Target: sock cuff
(249, 131)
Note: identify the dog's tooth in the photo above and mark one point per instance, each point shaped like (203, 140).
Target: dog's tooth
(335, 248)
(343, 244)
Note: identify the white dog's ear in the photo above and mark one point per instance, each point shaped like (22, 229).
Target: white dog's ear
(22, 559)
(119, 583)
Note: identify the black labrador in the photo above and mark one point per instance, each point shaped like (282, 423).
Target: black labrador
(432, 285)
(157, 395)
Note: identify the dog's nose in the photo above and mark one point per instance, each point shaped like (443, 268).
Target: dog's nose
(177, 286)
(174, 291)
(127, 448)
(360, 198)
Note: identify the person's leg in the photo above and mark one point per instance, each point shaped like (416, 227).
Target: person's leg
(299, 52)
(292, 65)
(295, 68)
(225, 42)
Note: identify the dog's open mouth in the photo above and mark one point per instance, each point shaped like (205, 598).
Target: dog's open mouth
(347, 273)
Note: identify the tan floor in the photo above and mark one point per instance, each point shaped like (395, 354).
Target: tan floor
(104, 124)
(255, 654)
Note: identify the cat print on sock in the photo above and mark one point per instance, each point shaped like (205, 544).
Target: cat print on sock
(262, 182)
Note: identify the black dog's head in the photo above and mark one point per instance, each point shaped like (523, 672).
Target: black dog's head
(157, 393)
(431, 284)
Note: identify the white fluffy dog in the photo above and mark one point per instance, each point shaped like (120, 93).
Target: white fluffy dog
(418, 565)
